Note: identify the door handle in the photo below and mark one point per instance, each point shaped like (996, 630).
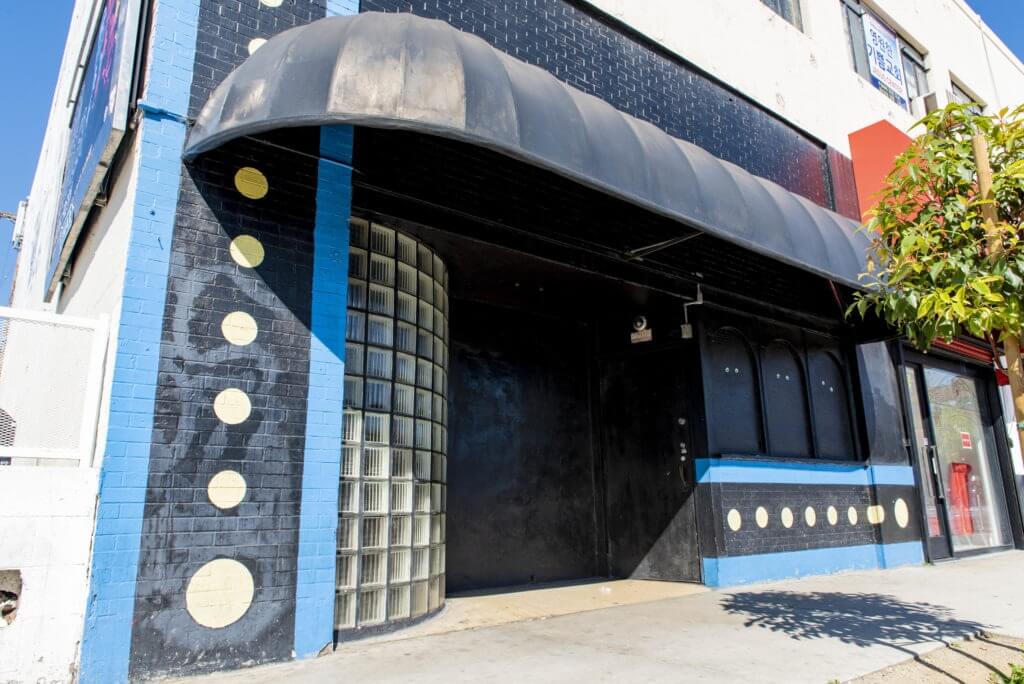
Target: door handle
(933, 458)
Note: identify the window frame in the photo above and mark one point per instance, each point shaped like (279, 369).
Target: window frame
(960, 95)
(795, 11)
(857, 44)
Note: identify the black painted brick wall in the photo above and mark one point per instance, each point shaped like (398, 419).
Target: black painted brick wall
(225, 29)
(587, 52)
(775, 537)
(182, 530)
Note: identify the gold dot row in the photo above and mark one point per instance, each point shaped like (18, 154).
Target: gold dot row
(222, 590)
(875, 516)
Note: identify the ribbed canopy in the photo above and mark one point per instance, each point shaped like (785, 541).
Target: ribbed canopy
(404, 72)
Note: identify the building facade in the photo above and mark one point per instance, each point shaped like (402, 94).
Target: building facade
(409, 299)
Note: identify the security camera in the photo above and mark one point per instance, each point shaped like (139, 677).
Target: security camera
(640, 323)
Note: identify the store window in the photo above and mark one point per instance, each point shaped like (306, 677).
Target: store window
(884, 58)
(734, 394)
(960, 96)
(785, 401)
(788, 10)
(966, 462)
(830, 399)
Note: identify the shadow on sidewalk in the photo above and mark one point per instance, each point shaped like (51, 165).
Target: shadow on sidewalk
(859, 619)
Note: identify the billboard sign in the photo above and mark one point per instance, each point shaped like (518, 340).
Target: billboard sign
(885, 62)
(97, 124)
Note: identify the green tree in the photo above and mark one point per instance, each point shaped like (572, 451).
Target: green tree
(947, 251)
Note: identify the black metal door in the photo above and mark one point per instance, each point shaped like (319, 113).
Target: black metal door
(650, 500)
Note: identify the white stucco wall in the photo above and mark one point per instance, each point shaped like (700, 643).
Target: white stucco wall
(807, 76)
(46, 528)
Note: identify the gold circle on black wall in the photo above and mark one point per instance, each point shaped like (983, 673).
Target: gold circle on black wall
(251, 183)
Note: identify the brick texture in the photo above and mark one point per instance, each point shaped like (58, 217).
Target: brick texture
(586, 51)
(182, 529)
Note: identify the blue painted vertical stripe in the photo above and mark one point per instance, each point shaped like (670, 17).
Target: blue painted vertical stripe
(106, 642)
(318, 523)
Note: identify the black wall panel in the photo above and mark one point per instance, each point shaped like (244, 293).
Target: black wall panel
(520, 471)
(595, 54)
(182, 529)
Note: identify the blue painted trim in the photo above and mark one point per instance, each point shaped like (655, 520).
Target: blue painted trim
(160, 112)
(725, 470)
(318, 521)
(898, 476)
(907, 553)
(765, 567)
(106, 641)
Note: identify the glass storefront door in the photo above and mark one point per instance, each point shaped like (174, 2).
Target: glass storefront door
(962, 490)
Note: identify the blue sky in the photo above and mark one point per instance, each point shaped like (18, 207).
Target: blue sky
(31, 49)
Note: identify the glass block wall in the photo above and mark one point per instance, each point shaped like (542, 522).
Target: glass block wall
(394, 466)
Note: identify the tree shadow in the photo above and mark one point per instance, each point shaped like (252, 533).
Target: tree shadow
(862, 619)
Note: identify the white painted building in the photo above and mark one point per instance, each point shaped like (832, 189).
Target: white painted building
(803, 68)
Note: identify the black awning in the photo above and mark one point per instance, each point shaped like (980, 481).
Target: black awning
(404, 72)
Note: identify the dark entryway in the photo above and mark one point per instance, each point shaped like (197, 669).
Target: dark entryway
(521, 504)
(564, 438)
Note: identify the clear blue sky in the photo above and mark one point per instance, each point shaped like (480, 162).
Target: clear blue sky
(33, 40)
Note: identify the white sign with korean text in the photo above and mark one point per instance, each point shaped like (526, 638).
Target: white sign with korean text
(884, 60)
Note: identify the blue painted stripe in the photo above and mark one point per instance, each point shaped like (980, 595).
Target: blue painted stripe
(106, 641)
(318, 522)
(765, 567)
(892, 475)
(907, 553)
(724, 470)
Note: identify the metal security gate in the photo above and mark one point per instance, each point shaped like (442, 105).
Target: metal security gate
(51, 373)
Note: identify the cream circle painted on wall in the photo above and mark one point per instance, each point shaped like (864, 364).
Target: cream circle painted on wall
(271, 3)
(735, 520)
(239, 328)
(810, 516)
(833, 515)
(876, 515)
(226, 489)
(761, 515)
(247, 251)
(232, 406)
(851, 515)
(251, 182)
(901, 512)
(256, 43)
(219, 593)
(787, 517)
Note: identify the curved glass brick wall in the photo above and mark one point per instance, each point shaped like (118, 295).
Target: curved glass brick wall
(394, 453)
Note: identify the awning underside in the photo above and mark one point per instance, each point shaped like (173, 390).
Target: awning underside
(400, 71)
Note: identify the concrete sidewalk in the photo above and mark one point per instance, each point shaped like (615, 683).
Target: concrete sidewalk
(811, 630)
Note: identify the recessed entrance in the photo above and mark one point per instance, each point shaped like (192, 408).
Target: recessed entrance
(569, 453)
